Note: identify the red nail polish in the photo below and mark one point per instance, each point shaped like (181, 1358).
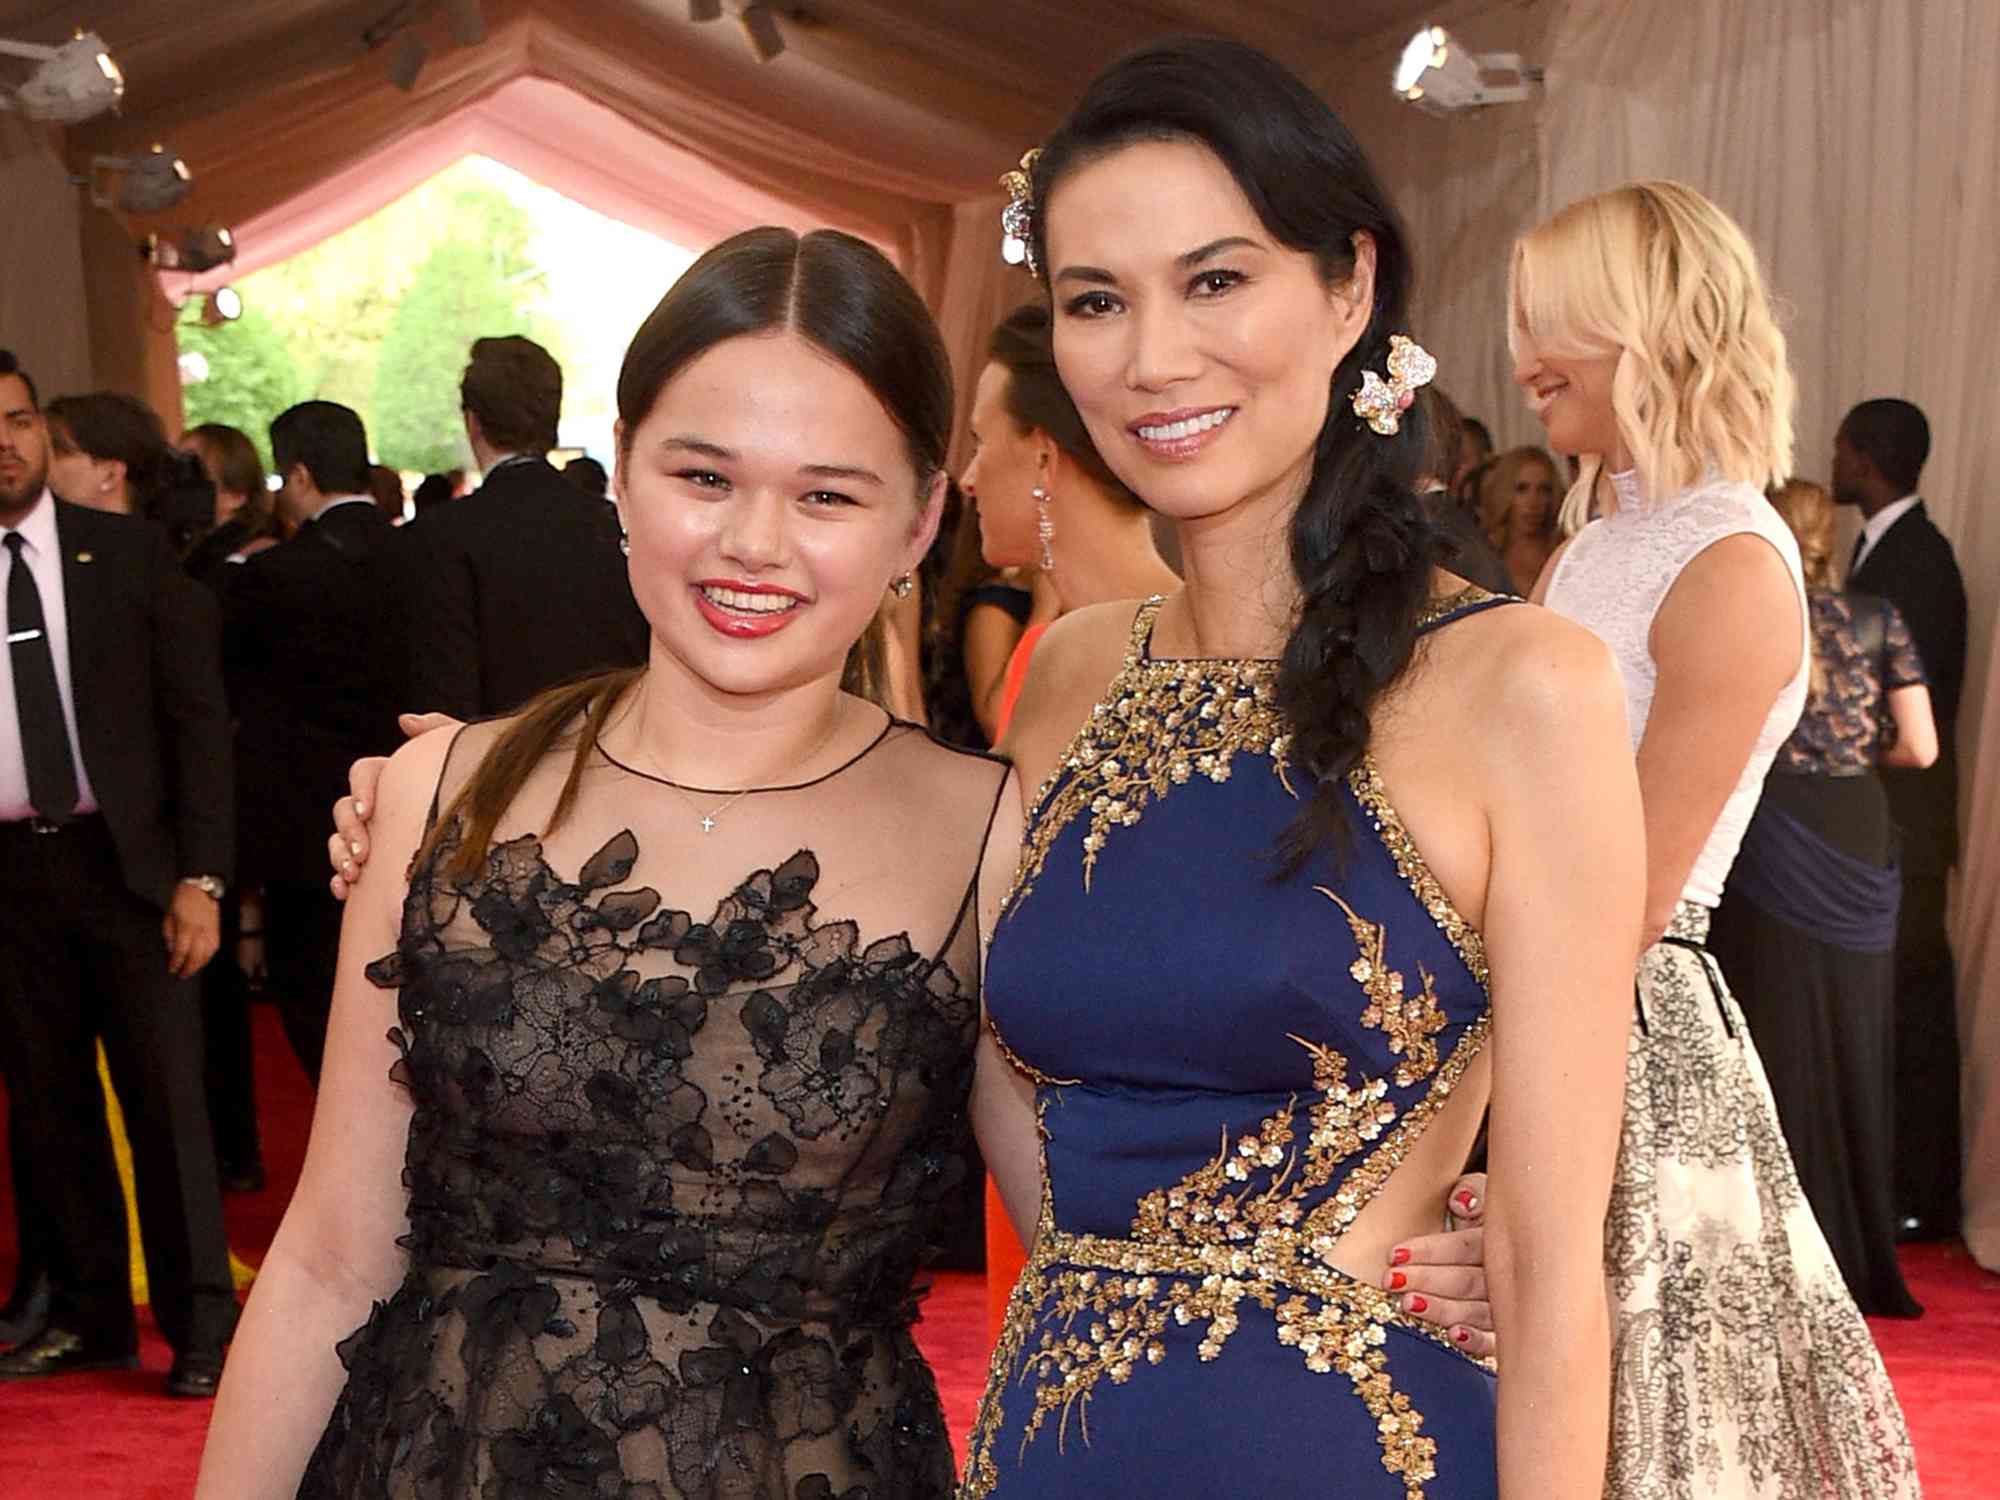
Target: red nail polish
(1463, 1335)
(1418, 1304)
(1397, 1281)
(1465, 1200)
(1399, 1257)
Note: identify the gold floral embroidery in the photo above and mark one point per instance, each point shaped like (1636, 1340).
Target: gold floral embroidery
(1159, 725)
(1411, 1021)
(1365, 781)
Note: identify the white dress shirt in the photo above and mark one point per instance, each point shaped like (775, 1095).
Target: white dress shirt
(1873, 528)
(41, 552)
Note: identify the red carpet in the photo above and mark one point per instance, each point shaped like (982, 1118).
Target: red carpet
(118, 1437)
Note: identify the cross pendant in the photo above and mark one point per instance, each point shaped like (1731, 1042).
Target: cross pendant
(708, 825)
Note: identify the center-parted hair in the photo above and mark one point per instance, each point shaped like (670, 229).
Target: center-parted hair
(838, 293)
(1656, 275)
(1361, 547)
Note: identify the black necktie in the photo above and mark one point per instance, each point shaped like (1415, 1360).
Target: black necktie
(44, 737)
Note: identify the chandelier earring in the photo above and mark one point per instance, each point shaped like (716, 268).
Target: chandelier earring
(1045, 527)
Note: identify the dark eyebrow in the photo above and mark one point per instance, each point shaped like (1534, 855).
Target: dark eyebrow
(841, 471)
(1192, 258)
(1215, 248)
(688, 444)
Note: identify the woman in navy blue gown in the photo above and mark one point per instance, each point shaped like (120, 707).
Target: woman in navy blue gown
(1343, 850)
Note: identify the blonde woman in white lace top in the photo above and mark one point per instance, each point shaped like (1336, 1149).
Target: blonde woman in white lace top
(1644, 338)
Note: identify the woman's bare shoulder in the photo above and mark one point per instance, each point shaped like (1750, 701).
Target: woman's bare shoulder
(1073, 664)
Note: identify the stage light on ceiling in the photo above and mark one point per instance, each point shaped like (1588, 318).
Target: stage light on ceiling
(148, 184)
(1439, 75)
(407, 61)
(704, 10)
(223, 305)
(192, 250)
(760, 28)
(73, 82)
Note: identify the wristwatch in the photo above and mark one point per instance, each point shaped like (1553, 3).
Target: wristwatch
(210, 886)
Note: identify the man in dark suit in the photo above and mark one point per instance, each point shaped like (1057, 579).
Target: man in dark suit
(519, 586)
(116, 833)
(315, 661)
(1901, 556)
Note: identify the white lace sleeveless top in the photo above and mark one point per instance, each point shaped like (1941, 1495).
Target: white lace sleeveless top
(1612, 579)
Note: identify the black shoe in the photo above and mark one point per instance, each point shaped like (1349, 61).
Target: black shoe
(246, 1178)
(57, 1351)
(195, 1375)
(27, 1311)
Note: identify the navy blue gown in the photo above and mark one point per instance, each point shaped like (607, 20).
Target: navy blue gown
(1228, 1066)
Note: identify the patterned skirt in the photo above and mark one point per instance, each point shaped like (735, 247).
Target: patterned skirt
(1741, 1365)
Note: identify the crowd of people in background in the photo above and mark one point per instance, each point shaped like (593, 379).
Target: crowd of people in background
(199, 652)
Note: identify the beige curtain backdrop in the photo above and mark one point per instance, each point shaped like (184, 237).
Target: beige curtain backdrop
(42, 310)
(1856, 142)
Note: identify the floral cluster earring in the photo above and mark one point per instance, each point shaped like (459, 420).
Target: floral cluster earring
(1045, 528)
(902, 586)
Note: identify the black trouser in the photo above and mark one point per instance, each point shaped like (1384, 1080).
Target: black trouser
(91, 964)
(1926, 1012)
(301, 951)
(229, 1069)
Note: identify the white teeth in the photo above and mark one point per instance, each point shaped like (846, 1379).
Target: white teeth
(1207, 422)
(748, 604)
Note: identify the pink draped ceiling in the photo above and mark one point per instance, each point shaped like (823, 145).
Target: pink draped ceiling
(542, 129)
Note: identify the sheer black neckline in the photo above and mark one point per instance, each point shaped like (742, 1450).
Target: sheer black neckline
(889, 725)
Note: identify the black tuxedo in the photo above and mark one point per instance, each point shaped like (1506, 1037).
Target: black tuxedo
(516, 588)
(317, 671)
(1912, 566)
(80, 912)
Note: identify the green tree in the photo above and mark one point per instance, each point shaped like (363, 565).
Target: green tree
(250, 374)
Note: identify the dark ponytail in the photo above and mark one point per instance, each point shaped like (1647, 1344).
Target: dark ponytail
(1362, 549)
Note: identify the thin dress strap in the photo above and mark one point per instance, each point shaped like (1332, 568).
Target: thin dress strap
(1470, 600)
(1142, 630)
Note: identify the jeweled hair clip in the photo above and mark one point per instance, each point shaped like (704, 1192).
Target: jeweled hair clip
(1017, 219)
(1381, 403)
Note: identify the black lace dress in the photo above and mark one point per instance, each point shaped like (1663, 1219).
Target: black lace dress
(685, 1104)
(1806, 935)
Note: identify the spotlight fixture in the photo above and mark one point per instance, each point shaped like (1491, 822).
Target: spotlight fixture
(408, 61)
(74, 82)
(193, 250)
(148, 184)
(1438, 75)
(223, 305)
(760, 29)
(704, 10)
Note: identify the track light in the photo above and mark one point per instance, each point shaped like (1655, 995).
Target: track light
(1438, 75)
(148, 184)
(193, 250)
(74, 82)
(407, 61)
(223, 305)
(760, 28)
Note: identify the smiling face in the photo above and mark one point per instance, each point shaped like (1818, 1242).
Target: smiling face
(1571, 394)
(24, 450)
(1199, 350)
(770, 501)
(1007, 465)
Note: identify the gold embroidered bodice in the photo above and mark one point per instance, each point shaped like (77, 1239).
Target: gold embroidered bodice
(1229, 1065)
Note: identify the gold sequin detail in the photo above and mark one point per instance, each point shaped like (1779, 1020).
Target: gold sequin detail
(1410, 1021)
(1365, 781)
(1159, 725)
(1236, 1229)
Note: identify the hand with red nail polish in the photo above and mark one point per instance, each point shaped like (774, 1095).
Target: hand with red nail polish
(1444, 1275)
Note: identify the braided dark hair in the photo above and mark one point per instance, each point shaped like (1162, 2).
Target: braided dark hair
(1362, 549)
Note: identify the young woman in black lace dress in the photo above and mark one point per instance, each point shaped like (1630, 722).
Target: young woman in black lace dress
(641, 1089)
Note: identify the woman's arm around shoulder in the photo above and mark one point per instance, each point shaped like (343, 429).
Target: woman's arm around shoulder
(335, 1254)
(1564, 898)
